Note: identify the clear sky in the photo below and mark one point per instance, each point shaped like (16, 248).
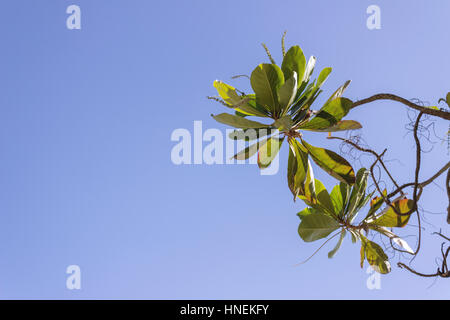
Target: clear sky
(86, 117)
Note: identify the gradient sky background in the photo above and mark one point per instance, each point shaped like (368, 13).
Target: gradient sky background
(85, 123)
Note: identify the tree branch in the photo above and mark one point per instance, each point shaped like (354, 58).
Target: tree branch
(387, 96)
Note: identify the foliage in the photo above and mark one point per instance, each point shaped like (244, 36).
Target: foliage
(285, 95)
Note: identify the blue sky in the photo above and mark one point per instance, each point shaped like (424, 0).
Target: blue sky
(85, 123)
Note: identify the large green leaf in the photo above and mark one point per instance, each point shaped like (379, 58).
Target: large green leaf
(243, 104)
(316, 226)
(339, 196)
(291, 171)
(342, 125)
(332, 163)
(329, 115)
(268, 151)
(287, 93)
(306, 212)
(376, 256)
(266, 80)
(323, 198)
(358, 192)
(332, 253)
(389, 218)
(238, 122)
(227, 93)
(294, 61)
(323, 76)
(301, 163)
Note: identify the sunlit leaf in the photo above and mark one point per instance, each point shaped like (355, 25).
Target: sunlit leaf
(287, 92)
(268, 151)
(329, 115)
(307, 211)
(339, 196)
(243, 104)
(294, 61)
(323, 198)
(375, 204)
(323, 76)
(389, 218)
(238, 122)
(332, 163)
(358, 192)
(316, 226)
(266, 80)
(376, 257)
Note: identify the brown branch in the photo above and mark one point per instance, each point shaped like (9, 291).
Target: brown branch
(387, 96)
(424, 183)
(447, 183)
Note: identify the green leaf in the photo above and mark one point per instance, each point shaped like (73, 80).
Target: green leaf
(329, 115)
(447, 99)
(238, 122)
(310, 185)
(323, 76)
(227, 92)
(332, 253)
(316, 226)
(332, 163)
(376, 256)
(294, 61)
(342, 125)
(358, 192)
(266, 80)
(323, 198)
(306, 212)
(292, 168)
(268, 151)
(250, 134)
(242, 104)
(297, 168)
(287, 93)
(339, 196)
(375, 204)
(389, 218)
(339, 92)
